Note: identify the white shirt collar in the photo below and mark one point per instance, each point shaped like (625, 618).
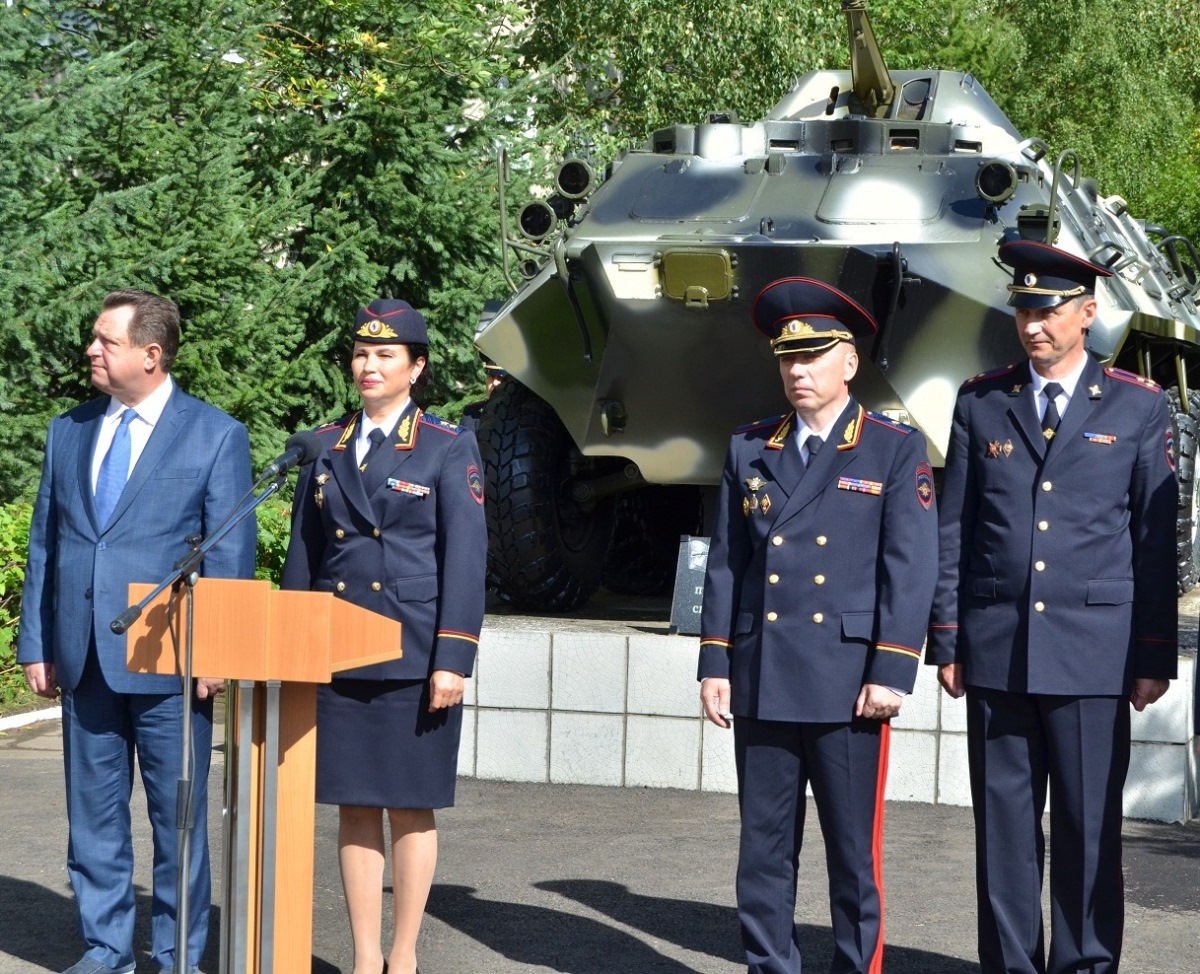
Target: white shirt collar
(803, 432)
(1068, 382)
(366, 424)
(149, 410)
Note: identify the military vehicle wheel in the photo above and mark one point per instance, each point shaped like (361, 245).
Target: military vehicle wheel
(545, 548)
(645, 546)
(1187, 545)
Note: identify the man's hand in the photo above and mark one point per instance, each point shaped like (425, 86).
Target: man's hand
(1145, 692)
(714, 698)
(207, 687)
(877, 703)
(42, 679)
(445, 689)
(951, 678)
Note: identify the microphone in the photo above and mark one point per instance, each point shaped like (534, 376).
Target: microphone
(302, 449)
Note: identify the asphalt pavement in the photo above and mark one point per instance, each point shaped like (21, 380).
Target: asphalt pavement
(590, 880)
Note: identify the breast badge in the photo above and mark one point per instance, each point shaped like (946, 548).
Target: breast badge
(996, 449)
(319, 495)
(752, 503)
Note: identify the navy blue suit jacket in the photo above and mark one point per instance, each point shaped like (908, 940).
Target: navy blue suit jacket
(1058, 563)
(415, 550)
(819, 580)
(194, 469)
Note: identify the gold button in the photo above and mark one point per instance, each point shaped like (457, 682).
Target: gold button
(818, 617)
(1043, 525)
(375, 586)
(339, 534)
(376, 532)
(340, 586)
(774, 579)
(819, 579)
(1040, 606)
(777, 540)
(1047, 486)
(1039, 566)
(822, 540)
(772, 616)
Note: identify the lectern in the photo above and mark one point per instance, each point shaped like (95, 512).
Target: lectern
(274, 647)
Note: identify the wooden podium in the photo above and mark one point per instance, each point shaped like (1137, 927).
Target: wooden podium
(275, 647)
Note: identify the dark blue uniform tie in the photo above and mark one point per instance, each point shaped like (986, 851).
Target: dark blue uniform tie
(1050, 417)
(813, 445)
(114, 470)
(373, 477)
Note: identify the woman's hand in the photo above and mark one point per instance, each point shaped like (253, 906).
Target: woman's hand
(445, 689)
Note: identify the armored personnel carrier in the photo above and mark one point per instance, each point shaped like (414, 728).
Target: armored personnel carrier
(628, 339)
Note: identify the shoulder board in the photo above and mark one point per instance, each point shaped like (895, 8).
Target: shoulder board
(337, 424)
(1133, 379)
(771, 423)
(890, 423)
(428, 419)
(993, 374)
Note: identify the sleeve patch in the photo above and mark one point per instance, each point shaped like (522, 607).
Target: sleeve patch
(924, 481)
(475, 483)
(1169, 447)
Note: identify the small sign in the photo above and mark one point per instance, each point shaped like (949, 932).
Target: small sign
(689, 586)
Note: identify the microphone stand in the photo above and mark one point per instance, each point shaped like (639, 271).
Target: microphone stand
(184, 575)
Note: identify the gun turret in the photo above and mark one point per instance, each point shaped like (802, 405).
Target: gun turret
(873, 88)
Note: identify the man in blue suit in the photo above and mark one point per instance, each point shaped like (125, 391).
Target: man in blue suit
(816, 597)
(1055, 612)
(126, 481)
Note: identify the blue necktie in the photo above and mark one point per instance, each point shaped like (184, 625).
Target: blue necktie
(114, 470)
(1050, 418)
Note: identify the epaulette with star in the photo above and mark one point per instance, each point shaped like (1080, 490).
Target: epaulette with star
(985, 376)
(428, 419)
(758, 424)
(1133, 379)
(890, 423)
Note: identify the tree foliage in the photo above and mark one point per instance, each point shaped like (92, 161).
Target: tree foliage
(272, 164)
(269, 166)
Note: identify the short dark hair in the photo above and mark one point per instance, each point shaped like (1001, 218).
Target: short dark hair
(417, 350)
(155, 321)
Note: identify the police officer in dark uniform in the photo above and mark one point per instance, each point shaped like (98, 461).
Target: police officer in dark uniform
(1055, 611)
(390, 517)
(816, 597)
(472, 414)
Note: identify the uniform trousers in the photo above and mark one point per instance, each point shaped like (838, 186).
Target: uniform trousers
(846, 765)
(102, 730)
(1078, 746)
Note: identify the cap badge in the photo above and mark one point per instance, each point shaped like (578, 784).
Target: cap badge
(376, 329)
(1030, 280)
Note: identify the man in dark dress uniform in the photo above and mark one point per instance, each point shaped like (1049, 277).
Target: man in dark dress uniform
(1055, 611)
(820, 576)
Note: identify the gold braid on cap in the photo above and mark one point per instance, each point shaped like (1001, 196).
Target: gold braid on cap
(1029, 287)
(796, 330)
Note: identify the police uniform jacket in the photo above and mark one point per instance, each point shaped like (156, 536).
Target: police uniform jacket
(1057, 571)
(415, 550)
(819, 580)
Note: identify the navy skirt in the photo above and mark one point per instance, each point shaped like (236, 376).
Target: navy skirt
(378, 745)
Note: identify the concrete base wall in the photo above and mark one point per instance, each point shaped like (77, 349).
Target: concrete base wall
(618, 706)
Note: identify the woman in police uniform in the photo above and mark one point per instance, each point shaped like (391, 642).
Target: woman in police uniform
(390, 517)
